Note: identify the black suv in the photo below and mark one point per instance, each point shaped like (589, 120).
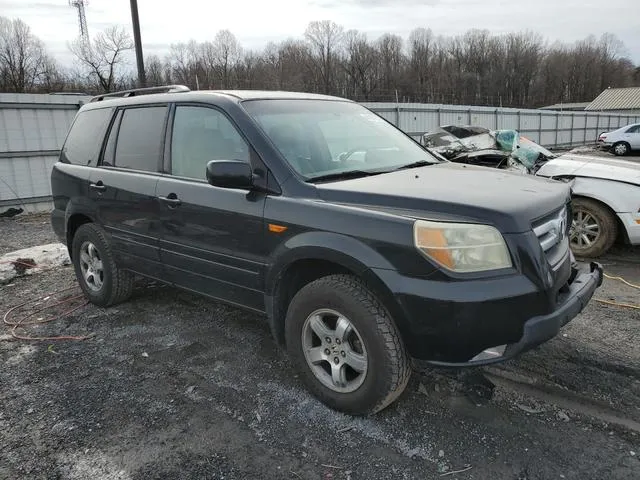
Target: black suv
(367, 253)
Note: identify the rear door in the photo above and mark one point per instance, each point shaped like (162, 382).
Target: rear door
(632, 135)
(211, 237)
(79, 156)
(123, 186)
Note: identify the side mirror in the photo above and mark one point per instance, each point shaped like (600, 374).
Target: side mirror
(229, 174)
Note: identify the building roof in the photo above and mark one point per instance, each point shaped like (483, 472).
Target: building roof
(566, 106)
(617, 99)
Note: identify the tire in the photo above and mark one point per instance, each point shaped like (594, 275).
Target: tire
(587, 212)
(374, 338)
(109, 285)
(621, 149)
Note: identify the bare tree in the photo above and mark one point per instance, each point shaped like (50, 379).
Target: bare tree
(23, 59)
(154, 71)
(296, 69)
(360, 64)
(220, 58)
(391, 61)
(421, 50)
(517, 69)
(105, 58)
(324, 39)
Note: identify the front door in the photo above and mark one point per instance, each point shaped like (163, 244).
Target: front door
(123, 187)
(211, 237)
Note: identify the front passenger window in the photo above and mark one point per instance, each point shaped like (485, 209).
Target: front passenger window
(201, 134)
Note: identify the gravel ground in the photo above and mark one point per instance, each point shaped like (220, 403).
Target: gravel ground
(174, 386)
(25, 231)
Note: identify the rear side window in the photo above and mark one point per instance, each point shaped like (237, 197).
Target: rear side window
(84, 140)
(634, 129)
(140, 138)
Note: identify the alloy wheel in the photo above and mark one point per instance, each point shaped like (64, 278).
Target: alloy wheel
(91, 266)
(585, 229)
(334, 350)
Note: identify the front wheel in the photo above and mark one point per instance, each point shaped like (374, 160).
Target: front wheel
(346, 346)
(594, 228)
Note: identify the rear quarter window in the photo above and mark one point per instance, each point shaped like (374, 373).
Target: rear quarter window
(82, 145)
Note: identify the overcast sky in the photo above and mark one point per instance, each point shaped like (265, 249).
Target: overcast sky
(255, 22)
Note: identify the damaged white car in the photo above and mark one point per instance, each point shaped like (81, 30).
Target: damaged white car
(606, 200)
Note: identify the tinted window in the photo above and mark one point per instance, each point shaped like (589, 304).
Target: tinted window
(140, 138)
(201, 134)
(634, 129)
(319, 137)
(83, 143)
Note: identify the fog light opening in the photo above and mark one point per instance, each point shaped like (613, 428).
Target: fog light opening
(490, 353)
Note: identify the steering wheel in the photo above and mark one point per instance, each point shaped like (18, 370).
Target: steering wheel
(345, 156)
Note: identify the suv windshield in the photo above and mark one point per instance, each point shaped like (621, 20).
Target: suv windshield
(332, 139)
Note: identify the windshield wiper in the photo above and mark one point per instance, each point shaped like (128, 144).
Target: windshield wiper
(342, 175)
(419, 163)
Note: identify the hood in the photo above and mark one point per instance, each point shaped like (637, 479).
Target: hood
(593, 167)
(450, 191)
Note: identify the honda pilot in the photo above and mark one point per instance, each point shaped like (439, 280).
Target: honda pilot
(367, 254)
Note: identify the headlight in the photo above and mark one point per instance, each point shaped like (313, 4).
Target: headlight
(462, 247)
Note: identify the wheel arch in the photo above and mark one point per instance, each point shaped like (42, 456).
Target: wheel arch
(74, 221)
(318, 257)
(614, 196)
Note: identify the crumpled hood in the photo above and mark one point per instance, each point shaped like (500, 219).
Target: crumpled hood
(592, 166)
(450, 191)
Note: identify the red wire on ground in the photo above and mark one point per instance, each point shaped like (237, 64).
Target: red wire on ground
(22, 321)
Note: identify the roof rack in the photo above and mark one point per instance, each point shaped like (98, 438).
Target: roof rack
(141, 91)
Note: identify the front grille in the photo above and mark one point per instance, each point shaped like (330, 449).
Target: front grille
(552, 232)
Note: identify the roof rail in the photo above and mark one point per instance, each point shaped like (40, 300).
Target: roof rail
(141, 91)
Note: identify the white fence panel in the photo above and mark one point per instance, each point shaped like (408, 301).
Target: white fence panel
(32, 130)
(549, 128)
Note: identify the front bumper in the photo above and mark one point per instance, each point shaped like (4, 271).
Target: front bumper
(631, 223)
(542, 328)
(454, 324)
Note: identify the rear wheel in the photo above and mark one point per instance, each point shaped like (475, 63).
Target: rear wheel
(593, 229)
(621, 148)
(346, 346)
(102, 282)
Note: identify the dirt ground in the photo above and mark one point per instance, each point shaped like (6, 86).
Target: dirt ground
(172, 386)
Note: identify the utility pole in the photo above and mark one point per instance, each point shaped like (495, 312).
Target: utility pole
(142, 80)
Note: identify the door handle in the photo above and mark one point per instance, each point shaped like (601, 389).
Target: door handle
(171, 200)
(99, 186)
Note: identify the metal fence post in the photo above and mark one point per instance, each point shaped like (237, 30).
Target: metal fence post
(439, 117)
(557, 127)
(540, 128)
(519, 121)
(573, 121)
(586, 120)
(469, 114)
(397, 115)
